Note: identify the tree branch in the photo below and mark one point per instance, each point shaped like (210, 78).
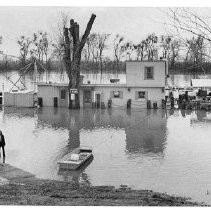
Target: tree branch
(87, 31)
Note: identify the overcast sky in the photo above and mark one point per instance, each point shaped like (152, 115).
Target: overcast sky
(133, 23)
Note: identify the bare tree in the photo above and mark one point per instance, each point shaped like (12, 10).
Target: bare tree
(165, 45)
(58, 44)
(58, 50)
(101, 46)
(196, 52)
(151, 47)
(45, 47)
(92, 41)
(127, 49)
(184, 19)
(140, 50)
(175, 47)
(40, 45)
(24, 45)
(170, 48)
(72, 63)
(118, 47)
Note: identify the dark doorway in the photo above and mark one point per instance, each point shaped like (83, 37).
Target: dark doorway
(55, 102)
(87, 98)
(40, 103)
(0, 98)
(98, 100)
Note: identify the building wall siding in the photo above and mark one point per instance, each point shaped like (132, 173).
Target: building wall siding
(135, 77)
(153, 94)
(135, 72)
(47, 93)
(19, 99)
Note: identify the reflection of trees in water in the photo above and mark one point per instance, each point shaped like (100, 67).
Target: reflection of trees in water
(73, 141)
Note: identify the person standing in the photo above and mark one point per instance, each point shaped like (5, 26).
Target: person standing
(2, 145)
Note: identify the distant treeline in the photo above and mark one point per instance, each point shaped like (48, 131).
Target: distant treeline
(107, 67)
(57, 66)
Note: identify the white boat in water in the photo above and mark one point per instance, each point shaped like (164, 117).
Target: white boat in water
(76, 158)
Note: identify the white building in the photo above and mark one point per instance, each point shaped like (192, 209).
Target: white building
(145, 80)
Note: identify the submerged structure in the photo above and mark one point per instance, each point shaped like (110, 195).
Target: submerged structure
(145, 80)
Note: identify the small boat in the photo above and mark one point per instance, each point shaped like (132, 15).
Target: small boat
(76, 158)
(73, 175)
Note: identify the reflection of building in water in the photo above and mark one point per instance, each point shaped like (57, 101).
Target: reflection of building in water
(201, 114)
(201, 118)
(115, 136)
(147, 136)
(145, 130)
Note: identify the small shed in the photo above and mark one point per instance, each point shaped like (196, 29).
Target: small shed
(201, 83)
(19, 98)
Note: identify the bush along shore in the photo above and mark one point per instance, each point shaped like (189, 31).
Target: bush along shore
(34, 191)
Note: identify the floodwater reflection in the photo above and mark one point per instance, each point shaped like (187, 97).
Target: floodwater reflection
(159, 150)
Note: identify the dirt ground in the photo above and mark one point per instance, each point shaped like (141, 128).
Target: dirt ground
(46, 192)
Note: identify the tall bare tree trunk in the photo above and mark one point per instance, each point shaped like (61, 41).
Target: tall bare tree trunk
(73, 59)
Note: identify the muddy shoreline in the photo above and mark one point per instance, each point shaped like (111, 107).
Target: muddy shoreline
(34, 191)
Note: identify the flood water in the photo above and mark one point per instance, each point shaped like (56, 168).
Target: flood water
(58, 77)
(165, 151)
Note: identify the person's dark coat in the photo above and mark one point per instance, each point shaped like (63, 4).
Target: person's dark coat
(2, 142)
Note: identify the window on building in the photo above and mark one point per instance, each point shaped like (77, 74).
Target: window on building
(63, 94)
(149, 72)
(116, 94)
(140, 94)
(87, 96)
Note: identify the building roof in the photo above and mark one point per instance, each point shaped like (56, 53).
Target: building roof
(146, 61)
(52, 84)
(201, 82)
(82, 85)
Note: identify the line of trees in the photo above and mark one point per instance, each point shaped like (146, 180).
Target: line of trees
(103, 51)
(97, 54)
(35, 46)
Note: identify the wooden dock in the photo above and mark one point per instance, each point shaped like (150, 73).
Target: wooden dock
(10, 173)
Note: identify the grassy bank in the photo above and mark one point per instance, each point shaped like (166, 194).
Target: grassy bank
(46, 192)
